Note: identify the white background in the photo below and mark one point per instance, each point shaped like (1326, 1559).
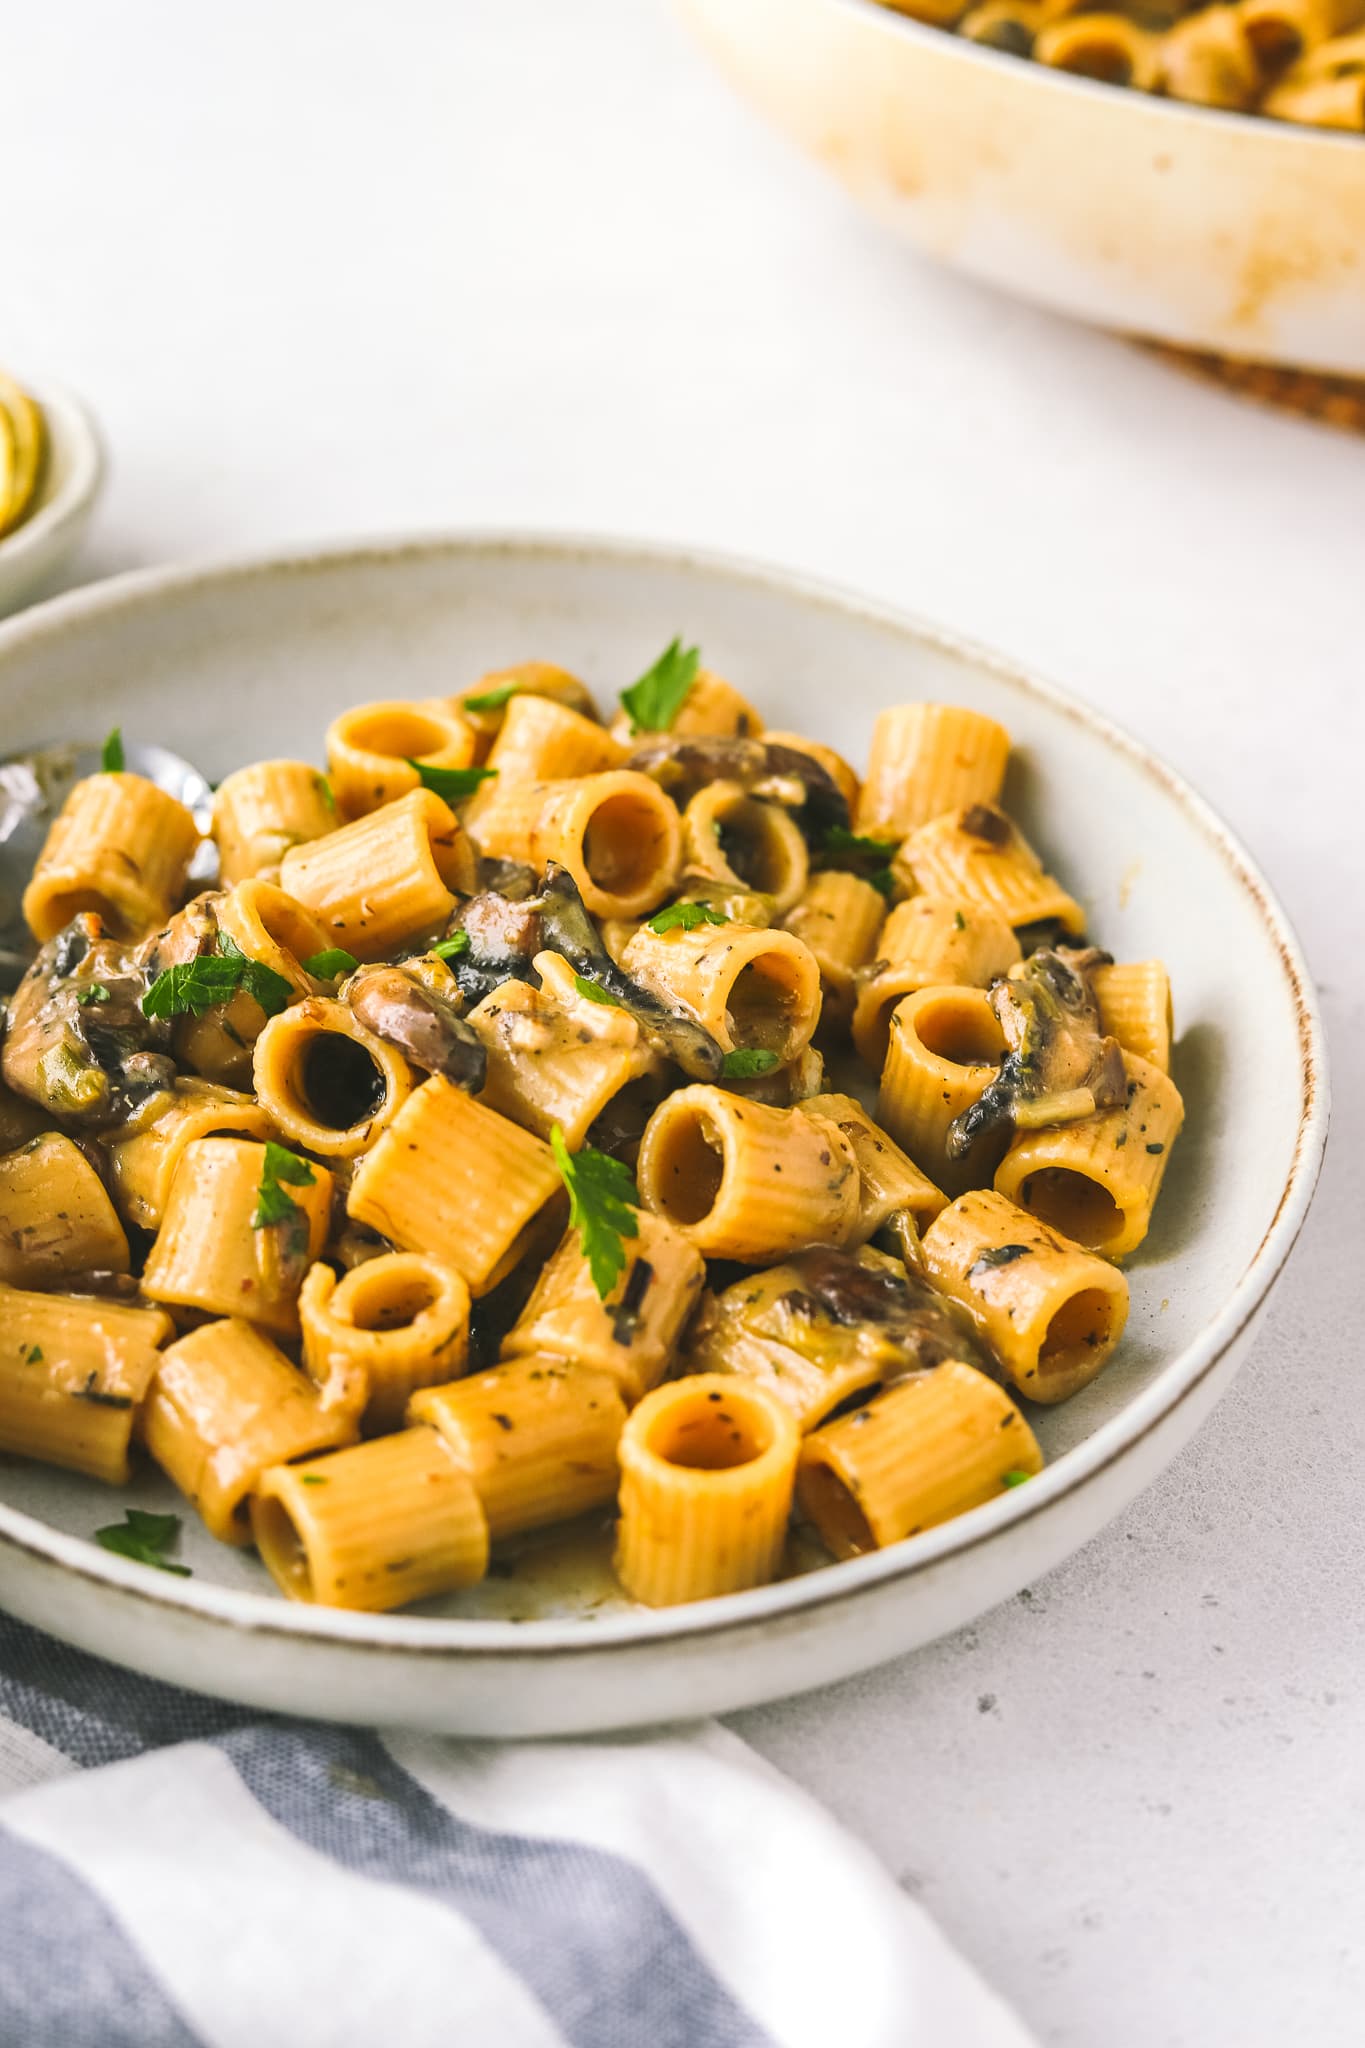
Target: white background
(329, 269)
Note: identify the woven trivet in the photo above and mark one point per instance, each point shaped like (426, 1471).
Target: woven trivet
(1335, 401)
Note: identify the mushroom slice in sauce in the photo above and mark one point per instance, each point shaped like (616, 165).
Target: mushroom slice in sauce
(76, 1040)
(567, 928)
(858, 1318)
(426, 1028)
(1058, 1067)
(685, 763)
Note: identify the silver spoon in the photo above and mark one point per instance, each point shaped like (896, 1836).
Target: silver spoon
(33, 787)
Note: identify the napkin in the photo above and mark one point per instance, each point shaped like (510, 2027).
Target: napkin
(175, 1871)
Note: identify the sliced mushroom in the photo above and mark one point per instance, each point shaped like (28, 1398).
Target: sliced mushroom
(567, 928)
(682, 764)
(76, 1040)
(923, 1325)
(1059, 1067)
(504, 938)
(426, 1028)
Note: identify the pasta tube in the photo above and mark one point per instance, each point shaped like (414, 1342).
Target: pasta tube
(485, 704)
(744, 1181)
(926, 759)
(542, 741)
(1134, 999)
(924, 1450)
(617, 833)
(269, 927)
(386, 879)
(454, 1179)
(978, 857)
(889, 1182)
(555, 1056)
(1109, 47)
(752, 989)
(210, 1255)
(72, 1374)
(56, 1220)
(1097, 1181)
(119, 846)
(325, 1081)
(263, 810)
(144, 1164)
(707, 1467)
(1051, 1313)
(929, 942)
(1313, 94)
(712, 706)
(371, 751)
(394, 1324)
(1208, 58)
(633, 1333)
(744, 843)
(537, 1437)
(945, 1049)
(225, 1406)
(838, 918)
(372, 1527)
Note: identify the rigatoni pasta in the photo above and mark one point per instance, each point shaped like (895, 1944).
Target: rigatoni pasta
(491, 1146)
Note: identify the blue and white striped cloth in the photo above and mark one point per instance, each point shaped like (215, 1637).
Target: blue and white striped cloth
(176, 1872)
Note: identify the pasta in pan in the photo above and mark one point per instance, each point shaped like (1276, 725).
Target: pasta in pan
(543, 1118)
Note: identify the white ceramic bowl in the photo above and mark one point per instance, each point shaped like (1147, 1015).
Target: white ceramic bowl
(230, 663)
(73, 474)
(1221, 231)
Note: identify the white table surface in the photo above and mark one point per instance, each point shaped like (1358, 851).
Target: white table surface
(328, 269)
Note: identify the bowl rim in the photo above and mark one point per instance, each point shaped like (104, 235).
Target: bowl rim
(258, 1614)
(1140, 104)
(71, 427)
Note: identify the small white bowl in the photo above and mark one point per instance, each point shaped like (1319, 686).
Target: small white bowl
(72, 478)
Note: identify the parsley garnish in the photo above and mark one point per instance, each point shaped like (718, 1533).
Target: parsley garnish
(1016, 1478)
(490, 700)
(746, 1062)
(194, 986)
(331, 965)
(655, 701)
(959, 921)
(453, 785)
(313, 1478)
(593, 993)
(95, 993)
(111, 754)
(685, 917)
(857, 852)
(325, 792)
(602, 1199)
(145, 1538)
(451, 948)
(273, 1203)
(34, 1355)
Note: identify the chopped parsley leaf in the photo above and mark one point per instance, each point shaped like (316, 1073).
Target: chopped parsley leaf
(111, 753)
(656, 699)
(452, 785)
(1016, 1478)
(331, 965)
(193, 986)
(274, 1204)
(593, 993)
(602, 1204)
(34, 1355)
(748, 1061)
(685, 917)
(451, 948)
(96, 992)
(866, 857)
(959, 921)
(490, 700)
(313, 1478)
(145, 1538)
